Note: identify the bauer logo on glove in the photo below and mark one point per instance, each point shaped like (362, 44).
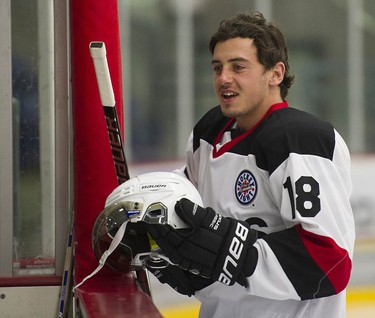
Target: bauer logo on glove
(212, 246)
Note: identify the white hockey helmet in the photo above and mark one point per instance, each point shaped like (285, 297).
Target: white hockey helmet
(148, 198)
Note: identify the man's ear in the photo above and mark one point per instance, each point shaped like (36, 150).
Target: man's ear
(278, 72)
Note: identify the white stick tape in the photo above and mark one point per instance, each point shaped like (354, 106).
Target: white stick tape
(99, 56)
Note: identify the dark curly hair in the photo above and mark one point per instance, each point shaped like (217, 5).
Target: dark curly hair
(268, 39)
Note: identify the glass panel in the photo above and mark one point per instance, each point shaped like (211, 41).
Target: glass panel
(33, 137)
(317, 36)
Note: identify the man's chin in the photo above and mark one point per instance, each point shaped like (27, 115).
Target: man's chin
(229, 111)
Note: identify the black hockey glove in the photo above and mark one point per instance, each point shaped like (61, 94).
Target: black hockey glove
(213, 247)
(180, 280)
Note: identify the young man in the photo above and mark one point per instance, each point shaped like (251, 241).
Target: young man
(276, 237)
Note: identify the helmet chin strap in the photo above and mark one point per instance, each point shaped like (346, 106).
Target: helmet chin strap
(115, 242)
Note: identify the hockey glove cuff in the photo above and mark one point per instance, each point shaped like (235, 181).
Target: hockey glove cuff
(180, 280)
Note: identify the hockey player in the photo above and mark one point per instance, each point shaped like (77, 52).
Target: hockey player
(276, 236)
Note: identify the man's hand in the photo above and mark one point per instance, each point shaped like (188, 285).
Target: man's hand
(180, 280)
(213, 247)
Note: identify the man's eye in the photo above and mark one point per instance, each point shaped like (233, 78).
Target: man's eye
(238, 67)
(217, 68)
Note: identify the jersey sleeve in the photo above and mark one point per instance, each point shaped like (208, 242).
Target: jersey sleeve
(189, 171)
(207, 125)
(311, 186)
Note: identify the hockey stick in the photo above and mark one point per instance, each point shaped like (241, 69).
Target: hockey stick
(65, 290)
(98, 54)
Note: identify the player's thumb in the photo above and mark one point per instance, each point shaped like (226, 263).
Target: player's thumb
(190, 212)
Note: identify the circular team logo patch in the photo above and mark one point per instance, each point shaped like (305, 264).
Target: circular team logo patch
(246, 187)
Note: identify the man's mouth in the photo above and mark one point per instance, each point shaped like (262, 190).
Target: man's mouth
(228, 95)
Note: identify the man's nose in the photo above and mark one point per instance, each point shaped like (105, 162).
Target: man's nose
(226, 76)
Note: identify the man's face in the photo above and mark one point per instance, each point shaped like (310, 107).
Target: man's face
(241, 83)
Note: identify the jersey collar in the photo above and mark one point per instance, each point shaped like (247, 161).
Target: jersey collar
(230, 144)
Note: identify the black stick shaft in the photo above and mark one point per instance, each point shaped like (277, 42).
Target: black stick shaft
(115, 141)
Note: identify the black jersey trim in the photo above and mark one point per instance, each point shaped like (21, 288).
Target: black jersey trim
(237, 140)
(283, 132)
(209, 126)
(291, 131)
(307, 278)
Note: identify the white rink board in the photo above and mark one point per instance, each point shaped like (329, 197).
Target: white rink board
(363, 197)
(30, 302)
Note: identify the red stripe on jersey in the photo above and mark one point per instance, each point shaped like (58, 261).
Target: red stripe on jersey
(331, 258)
(230, 144)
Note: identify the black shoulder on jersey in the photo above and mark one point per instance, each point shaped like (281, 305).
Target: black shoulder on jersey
(209, 126)
(289, 131)
(285, 131)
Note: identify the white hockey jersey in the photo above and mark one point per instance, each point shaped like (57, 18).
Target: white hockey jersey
(288, 177)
